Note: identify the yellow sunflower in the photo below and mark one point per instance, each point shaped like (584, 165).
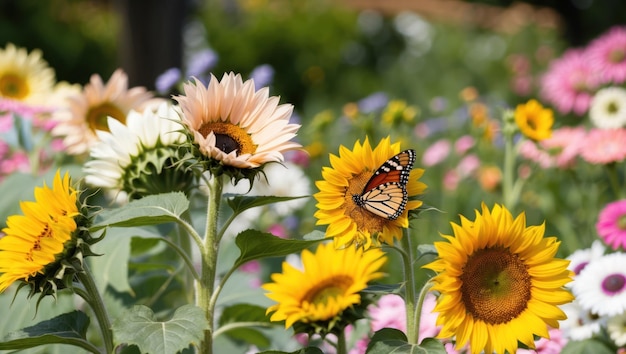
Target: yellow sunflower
(35, 241)
(24, 76)
(328, 284)
(348, 222)
(534, 121)
(236, 125)
(499, 282)
(90, 110)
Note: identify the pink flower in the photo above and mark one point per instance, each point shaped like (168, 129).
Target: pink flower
(531, 151)
(604, 146)
(463, 144)
(611, 225)
(451, 180)
(570, 82)
(18, 162)
(565, 144)
(389, 312)
(552, 345)
(608, 54)
(468, 165)
(436, 153)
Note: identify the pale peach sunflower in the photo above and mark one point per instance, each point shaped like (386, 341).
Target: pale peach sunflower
(89, 111)
(236, 125)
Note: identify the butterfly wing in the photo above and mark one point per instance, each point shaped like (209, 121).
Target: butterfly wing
(385, 193)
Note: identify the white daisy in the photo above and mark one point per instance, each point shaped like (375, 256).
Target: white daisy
(130, 156)
(616, 326)
(580, 258)
(608, 108)
(580, 324)
(601, 286)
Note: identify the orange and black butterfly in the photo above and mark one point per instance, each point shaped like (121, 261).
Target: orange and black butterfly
(385, 193)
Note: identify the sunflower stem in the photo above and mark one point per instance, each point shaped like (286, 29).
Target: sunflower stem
(509, 192)
(418, 309)
(209, 260)
(182, 245)
(342, 347)
(409, 288)
(92, 296)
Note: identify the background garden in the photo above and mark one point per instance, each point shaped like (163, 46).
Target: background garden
(436, 75)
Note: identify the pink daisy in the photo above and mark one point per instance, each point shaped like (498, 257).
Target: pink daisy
(436, 153)
(565, 145)
(604, 146)
(608, 54)
(611, 225)
(570, 82)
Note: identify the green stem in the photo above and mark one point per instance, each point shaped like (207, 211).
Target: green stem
(409, 281)
(420, 304)
(93, 298)
(342, 347)
(209, 260)
(184, 254)
(614, 180)
(234, 325)
(508, 173)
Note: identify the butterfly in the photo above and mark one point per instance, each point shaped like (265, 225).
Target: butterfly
(385, 193)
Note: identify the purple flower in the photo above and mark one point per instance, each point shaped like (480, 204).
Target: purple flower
(167, 80)
(263, 75)
(201, 62)
(373, 102)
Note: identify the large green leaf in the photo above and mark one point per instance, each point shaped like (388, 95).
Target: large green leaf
(241, 203)
(255, 244)
(307, 350)
(389, 340)
(150, 210)
(140, 328)
(249, 314)
(69, 328)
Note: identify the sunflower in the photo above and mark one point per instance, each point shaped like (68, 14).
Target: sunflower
(327, 286)
(89, 111)
(38, 244)
(234, 125)
(499, 282)
(139, 157)
(24, 76)
(348, 222)
(534, 120)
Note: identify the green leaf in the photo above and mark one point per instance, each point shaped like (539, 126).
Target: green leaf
(243, 313)
(390, 340)
(150, 210)
(586, 346)
(140, 328)
(240, 203)
(426, 249)
(384, 289)
(69, 328)
(255, 244)
(112, 267)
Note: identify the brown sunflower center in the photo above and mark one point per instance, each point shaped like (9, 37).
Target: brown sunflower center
(13, 86)
(327, 289)
(229, 137)
(97, 116)
(363, 219)
(496, 285)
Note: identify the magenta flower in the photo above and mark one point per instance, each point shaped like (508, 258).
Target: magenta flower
(604, 146)
(611, 225)
(570, 82)
(608, 54)
(436, 153)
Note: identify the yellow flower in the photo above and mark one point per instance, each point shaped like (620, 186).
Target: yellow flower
(328, 284)
(236, 125)
(89, 111)
(35, 241)
(347, 221)
(24, 77)
(499, 282)
(534, 121)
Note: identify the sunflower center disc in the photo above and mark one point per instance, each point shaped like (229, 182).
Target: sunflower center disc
(229, 137)
(326, 289)
(97, 116)
(496, 285)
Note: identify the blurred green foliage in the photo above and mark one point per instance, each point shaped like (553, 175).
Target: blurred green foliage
(78, 38)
